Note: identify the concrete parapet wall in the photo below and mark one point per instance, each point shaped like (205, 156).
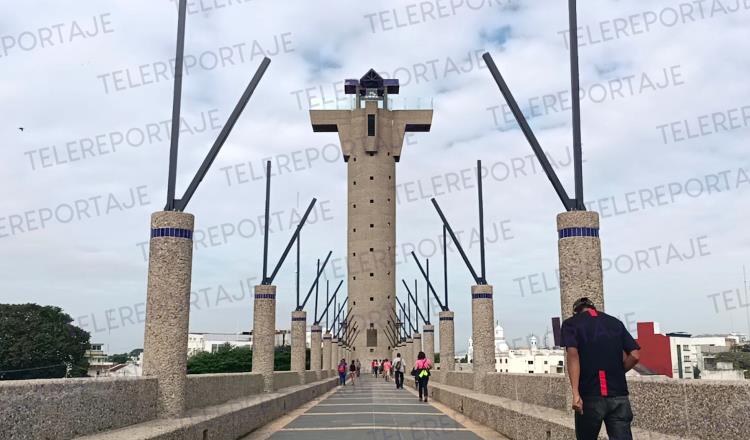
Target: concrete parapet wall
(663, 408)
(227, 421)
(66, 408)
(458, 379)
(213, 389)
(286, 379)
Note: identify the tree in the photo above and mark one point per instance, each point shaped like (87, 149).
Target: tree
(121, 358)
(229, 359)
(739, 359)
(226, 359)
(38, 342)
(437, 358)
(135, 352)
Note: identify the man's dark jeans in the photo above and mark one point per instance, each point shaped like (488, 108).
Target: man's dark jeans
(399, 379)
(615, 412)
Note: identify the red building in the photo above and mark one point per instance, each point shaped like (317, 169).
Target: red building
(656, 353)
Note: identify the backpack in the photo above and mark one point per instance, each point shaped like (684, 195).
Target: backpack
(342, 368)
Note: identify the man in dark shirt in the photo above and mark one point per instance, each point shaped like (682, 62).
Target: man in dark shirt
(599, 352)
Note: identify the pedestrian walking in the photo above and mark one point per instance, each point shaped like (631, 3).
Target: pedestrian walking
(342, 372)
(374, 366)
(599, 352)
(353, 371)
(387, 366)
(422, 367)
(359, 367)
(398, 371)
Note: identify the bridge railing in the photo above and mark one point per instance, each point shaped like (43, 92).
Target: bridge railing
(703, 409)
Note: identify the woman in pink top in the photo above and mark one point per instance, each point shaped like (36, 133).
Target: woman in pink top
(387, 369)
(423, 366)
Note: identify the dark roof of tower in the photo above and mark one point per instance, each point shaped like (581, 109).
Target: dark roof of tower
(371, 80)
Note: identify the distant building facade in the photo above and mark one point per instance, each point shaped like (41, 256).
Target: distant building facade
(531, 360)
(210, 342)
(683, 356)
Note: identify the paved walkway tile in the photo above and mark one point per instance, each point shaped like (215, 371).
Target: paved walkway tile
(373, 410)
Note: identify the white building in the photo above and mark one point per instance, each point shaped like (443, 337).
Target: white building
(97, 359)
(210, 342)
(533, 360)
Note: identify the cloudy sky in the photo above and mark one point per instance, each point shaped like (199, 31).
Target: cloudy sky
(86, 90)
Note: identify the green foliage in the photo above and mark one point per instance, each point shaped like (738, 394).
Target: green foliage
(121, 358)
(38, 342)
(437, 358)
(740, 360)
(282, 358)
(226, 359)
(135, 352)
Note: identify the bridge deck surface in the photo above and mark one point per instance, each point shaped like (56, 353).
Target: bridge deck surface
(373, 409)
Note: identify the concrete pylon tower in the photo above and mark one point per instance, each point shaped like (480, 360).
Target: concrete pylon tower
(371, 136)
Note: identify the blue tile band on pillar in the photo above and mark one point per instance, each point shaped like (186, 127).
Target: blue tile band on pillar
(428, 331)
(481, 296)
(417, 337)
(293, 319)
(316, 330)
(446, 318)
(265, 296)
(326, 338)
(172, 232)
(578, 232)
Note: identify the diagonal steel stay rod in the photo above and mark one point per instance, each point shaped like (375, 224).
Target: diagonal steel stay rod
(408, 318)
(267, 218)
(575, 93)
(349, 332)
(223, 135)
(299, 239)
(338, 313)
(394, 316)
(352, 338)
(176, 105)
(443, 307)
(315, 283)
(428, 288)
(328, 305)
(390, 335)
(481, 221)
(530, 137)
(344, 323)
(416, 305)
(297, 231)
(477, 279)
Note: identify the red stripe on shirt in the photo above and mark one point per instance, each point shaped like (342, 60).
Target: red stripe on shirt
(592, 312)
(603, 383)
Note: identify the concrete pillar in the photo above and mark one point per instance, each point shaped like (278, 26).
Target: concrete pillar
(428, 341)
(168, 308)
(417, 338)
(299, 340)
(409, 355)
(447, 341)
(482, 333)
(335, 353)
(264, 332)
(580, 254)
(327, 351)
(316, 355)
